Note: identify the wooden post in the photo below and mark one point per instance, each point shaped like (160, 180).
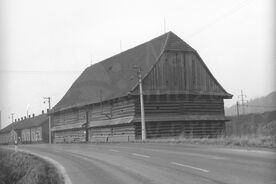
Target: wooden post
(86, 126)
(50, 133)
(49, 103)
(238, 111)
(143, 124)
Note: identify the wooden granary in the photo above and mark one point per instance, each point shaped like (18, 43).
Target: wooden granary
(181, 96)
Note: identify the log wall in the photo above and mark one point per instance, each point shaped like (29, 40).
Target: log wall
(76, 120)
(113, 110)
(191, 109)
(122, 133)
(180, 105)
(69, 136)
(182, 129)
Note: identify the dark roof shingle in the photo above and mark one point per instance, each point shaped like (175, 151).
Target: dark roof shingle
(26, 123)
(114, 77)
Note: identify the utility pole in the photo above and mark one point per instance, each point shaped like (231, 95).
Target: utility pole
(12, 116)
(28, 106)
(0, 121)
(243, 101)
(143, 123)
(49, 104)
(13, 134)
(238, 110)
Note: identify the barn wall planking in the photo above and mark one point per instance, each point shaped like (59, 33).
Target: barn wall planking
(184, 129)
(123, 133)
(180, 71)
(69, 136)
(96, 112)
(181, 105)
(74, 120)
(114, 110)
(155, 105)
(174, 106)
(117, 109)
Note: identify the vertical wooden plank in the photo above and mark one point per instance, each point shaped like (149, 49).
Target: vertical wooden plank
(184, 71)
(180, 69)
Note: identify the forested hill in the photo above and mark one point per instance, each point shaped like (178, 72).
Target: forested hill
(257, 105)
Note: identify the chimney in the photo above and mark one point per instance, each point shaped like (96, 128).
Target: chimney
(33, 115)
(42, 111)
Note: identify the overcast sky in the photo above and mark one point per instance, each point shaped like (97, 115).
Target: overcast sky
(45, 45)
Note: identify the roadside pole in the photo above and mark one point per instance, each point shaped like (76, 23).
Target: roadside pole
(143, 123)
(49, 103)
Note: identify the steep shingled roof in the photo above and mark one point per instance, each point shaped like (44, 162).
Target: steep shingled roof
(114, 77)
(26, 123)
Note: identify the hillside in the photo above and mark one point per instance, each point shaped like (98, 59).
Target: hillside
(252, 124)
(257, 105)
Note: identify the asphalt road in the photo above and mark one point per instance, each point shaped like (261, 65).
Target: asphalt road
(160, 163)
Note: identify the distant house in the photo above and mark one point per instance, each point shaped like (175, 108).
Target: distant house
(181, 96)
(33, 129)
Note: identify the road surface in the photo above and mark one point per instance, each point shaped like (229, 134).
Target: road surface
(150, 163)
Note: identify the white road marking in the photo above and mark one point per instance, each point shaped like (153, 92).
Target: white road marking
(79, 156)
(191, 167)
(114, 150)
(180, 153)
(139, 155)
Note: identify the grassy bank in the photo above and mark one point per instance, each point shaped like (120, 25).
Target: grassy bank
(24, 168)
(243, 141)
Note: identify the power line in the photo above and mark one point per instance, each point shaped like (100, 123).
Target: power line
(220, 18)
(267, 106)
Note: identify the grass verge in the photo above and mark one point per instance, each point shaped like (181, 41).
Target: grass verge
(243, 141)
(23, 168)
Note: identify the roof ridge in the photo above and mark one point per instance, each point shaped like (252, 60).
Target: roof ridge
(176, 41)
(118, 54)
(166, 41)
